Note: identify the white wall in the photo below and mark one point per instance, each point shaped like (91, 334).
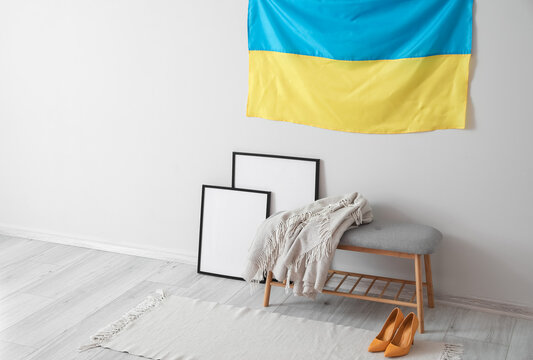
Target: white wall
(113, 113)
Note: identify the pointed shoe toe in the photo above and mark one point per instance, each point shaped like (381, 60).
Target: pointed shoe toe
(395, 351)
(378, 345)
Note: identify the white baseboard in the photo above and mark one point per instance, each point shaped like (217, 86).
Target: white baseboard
(495, 307)
(148, 252)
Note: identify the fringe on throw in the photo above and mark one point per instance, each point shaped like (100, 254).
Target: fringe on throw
(275, 243)
(325, 247)
(113, 329)
(452, 352)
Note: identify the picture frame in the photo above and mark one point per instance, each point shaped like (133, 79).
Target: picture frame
(293, 181)
(229, 218)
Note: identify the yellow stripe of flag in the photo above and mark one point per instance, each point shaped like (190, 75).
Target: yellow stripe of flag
(373, 96)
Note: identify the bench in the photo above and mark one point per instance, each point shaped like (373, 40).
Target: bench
(402, 240)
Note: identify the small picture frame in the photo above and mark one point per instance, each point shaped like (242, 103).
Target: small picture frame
(229, 219)
(293, 181)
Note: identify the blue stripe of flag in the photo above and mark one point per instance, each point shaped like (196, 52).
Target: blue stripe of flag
(361, 29)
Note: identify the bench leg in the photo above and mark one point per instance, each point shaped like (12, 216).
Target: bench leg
(429, 281)
(267, 289)
(419, 293)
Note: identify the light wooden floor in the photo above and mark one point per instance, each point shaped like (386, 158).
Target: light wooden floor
(53, 297)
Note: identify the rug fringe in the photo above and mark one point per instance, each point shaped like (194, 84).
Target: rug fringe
(113, 329)
(452, 352)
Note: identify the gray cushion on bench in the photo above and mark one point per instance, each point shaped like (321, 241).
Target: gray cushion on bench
(402, 237)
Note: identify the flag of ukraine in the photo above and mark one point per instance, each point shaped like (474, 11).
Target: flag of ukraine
(369, 66)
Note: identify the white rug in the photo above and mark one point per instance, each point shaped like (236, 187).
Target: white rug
(178, 328)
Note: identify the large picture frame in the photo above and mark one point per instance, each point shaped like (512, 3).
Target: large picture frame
(293, 181)
(229, 218)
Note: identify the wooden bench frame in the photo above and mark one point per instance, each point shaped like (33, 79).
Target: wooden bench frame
(418, 295)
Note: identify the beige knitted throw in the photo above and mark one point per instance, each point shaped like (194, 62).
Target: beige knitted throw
(298, 245)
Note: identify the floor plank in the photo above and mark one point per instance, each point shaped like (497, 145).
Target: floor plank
(39, 328)
(10, 351)
(18, 306)
(177, 274)
(211, 288)
(436, 321)
(9, 241)
(62, 255)
(22, 251)
(22, 274)
(521, 347)
(482, 326)
(89, 266)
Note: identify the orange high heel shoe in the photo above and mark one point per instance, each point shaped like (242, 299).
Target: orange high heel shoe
(404, 338)
(384, 337)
